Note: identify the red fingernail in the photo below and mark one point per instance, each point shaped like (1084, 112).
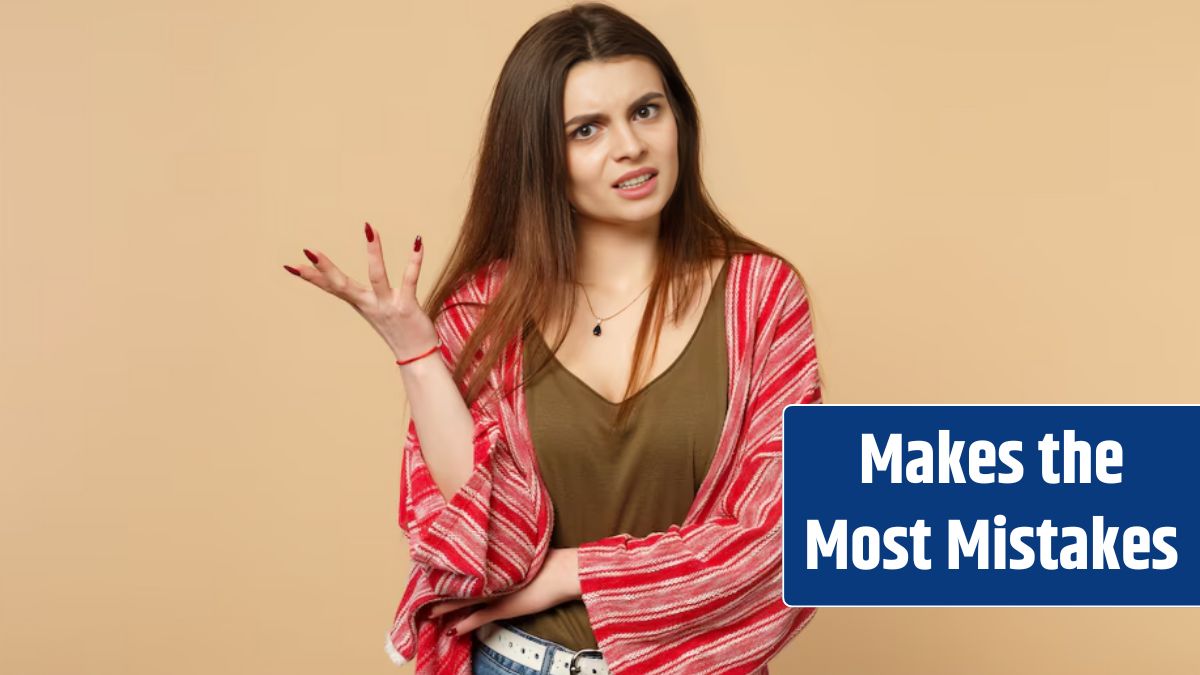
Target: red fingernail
(311, 256)
(291, 269)
(450, 631)
(417, 243)
(370, 233)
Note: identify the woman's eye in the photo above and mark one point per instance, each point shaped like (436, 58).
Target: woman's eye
(648, 107)
(651, 111)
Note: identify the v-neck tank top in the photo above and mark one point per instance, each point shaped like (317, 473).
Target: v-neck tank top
(637, 480)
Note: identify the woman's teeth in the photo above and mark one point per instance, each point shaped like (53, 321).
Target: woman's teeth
(634, 182)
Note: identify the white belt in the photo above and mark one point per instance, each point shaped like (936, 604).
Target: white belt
(532, 654)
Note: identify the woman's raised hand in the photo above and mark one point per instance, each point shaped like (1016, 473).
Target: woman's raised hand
(394, 313)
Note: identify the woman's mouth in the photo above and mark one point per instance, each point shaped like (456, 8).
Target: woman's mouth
(638, 186)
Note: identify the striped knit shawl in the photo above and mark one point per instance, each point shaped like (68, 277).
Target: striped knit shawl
(702, 597)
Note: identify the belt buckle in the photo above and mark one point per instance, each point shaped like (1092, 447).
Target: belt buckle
(575, 669)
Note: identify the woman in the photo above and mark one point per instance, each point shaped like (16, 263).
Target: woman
(598, 486)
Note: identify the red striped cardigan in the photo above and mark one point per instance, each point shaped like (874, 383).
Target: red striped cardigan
(703, 597)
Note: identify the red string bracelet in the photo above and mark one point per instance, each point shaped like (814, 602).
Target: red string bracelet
(401, 362)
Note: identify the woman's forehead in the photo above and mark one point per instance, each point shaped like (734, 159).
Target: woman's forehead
(603, 86)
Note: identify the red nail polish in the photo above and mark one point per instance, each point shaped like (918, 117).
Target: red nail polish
(417, 243)
(291, 269)
(370, 233)
(449, 631)
(311, 256)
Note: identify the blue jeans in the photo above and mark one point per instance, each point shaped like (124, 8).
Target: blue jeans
(487, 661)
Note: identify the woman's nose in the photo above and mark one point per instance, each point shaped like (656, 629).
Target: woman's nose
(627, 142)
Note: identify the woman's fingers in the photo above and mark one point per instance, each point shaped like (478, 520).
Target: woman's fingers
(413, 271)
(447, 606)
(312, 275)
(376, 270)
(486, 614)
(335, 281)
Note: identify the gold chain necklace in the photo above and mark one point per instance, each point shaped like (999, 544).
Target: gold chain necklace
(596, 329)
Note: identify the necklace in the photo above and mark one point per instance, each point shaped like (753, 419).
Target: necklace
(596, 329)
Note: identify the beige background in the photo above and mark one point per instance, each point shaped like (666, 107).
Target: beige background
(991, 201)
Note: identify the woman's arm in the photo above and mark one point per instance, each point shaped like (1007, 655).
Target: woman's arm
(442, 420)
(481, 531)
(438, 409)
(557, 582)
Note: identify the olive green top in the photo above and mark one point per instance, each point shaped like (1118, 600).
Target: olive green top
(638, 480)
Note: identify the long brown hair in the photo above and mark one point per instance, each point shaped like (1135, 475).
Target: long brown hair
(519, 211)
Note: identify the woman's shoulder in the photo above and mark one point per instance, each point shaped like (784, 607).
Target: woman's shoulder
(479, 286)
(774, 301)
(765, 272)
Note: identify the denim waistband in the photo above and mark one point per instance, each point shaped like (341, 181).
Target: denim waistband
(531, 655)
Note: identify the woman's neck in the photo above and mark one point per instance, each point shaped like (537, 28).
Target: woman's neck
(616, 257)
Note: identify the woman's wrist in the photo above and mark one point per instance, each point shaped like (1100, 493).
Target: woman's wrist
(569, 571)
(406, 357)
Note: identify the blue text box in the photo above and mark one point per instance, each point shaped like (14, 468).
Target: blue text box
(1087, 539)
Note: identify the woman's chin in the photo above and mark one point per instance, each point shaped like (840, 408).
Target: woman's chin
(627, 219)
(633, 214)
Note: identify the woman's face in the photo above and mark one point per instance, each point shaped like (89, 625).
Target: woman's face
(619, 121)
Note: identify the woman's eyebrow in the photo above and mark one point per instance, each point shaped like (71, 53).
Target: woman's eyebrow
(594, 117)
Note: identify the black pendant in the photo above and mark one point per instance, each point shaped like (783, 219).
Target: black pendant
(596, 330)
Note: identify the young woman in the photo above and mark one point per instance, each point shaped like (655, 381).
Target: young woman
(597, 487)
